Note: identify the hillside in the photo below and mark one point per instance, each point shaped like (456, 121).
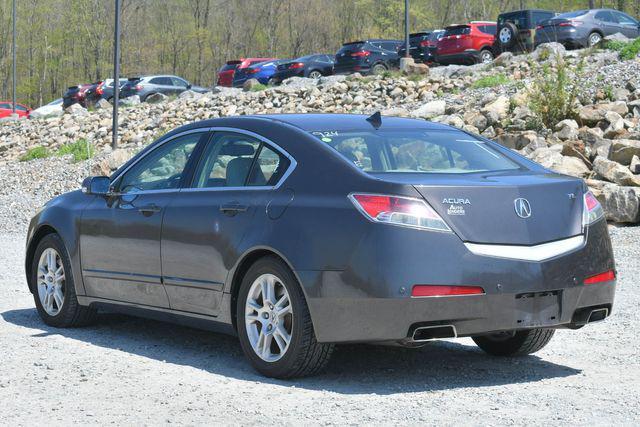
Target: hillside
(575, 112)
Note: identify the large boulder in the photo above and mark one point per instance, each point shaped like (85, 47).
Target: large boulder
(567, 129)
(592, 114)
(430, 110)
(130, 100)
(156, 98)
(623, 150)
(76, 110)
(634, 167)
(517, 141)
(549, 50)
(250, 85)
(615, 172)
(621, 204)
(498, 109)
(112, 161)
(505, 59)
(616, 124)
(618, 37)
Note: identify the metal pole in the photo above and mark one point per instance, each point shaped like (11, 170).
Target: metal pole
(116, 77)
(406, 28)
(13, 53)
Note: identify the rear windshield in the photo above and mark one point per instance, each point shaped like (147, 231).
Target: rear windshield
(457, 31)
(232, 66)
(351, 47)
(519, 19)
(570, 15)
(412, 151)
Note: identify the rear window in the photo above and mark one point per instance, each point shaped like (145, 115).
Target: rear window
(229, 66)
(416, 151)
(570, 15)
(519, 19)
(457, 31)
(351, 47)
(490, 29)
(435, 36)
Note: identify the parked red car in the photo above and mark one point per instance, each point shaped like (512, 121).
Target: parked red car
(6, 109)
(228, 70)
(467, 44)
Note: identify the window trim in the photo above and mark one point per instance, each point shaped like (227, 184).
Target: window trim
(210, 131)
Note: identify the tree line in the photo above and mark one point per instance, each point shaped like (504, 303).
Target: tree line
(65, 42)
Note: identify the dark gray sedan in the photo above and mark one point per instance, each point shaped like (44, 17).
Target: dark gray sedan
(586, 28)
(297, 232)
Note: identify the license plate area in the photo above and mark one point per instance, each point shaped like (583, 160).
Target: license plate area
(537, 309)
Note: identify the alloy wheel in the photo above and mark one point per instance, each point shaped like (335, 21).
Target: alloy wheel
(51, 281)
(594, 39)
(486, 56)
(269, 318)
(315, 75)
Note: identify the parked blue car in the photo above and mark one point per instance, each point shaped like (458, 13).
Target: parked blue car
(262, 72)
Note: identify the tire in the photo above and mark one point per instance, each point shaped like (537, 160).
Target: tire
(519, 343)
(378, 69)
(315, 74)
(303, 355)
(272, 82)
(594, 39)
(486, 56)
(69, 313)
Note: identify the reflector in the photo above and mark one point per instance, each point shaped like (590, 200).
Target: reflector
(444, 290)
(607, 276)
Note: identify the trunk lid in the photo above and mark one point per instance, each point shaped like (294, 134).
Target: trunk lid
(481, 208)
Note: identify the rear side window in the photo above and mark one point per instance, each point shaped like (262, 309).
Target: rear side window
(178, 82)
(571, 15)
(605, 16)
(268, 168)
(457, 31)
(625, 19)
(350, 47)
(228, 67)
(226, 161)
(416, 151)
(164, 81)
(488, 29)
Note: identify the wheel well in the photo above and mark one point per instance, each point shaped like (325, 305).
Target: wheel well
(37, 237)
(239, 273)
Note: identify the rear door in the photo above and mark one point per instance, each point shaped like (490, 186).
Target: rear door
(205, 224)
(607, 22)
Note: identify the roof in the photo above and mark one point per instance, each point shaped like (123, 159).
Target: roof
(329, 122)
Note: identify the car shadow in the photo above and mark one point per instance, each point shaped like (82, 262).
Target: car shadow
(353, 369)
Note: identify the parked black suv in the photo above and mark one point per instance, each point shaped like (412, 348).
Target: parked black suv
(373, 56)
(422, 46)
(517, 29)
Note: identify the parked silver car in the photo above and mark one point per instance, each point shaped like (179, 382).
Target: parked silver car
(585, 28)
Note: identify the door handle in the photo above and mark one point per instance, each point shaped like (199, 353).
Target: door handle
(233, 208)
(149, 209)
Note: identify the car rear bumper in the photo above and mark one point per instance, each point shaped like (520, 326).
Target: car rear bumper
(471, 56)
(280, 76)
(371, 304)
(570, 37)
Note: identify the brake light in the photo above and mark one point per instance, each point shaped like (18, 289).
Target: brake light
(570, 24)
(99, 89)
(539, 27)
(444, 291)
(424, 43)
(296, 65)
(592, 210)
(361, 54)
(138, 87)
(251, 70)
(607, 276)
(395, 210)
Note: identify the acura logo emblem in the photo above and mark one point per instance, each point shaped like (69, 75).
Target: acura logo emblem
(523, 208)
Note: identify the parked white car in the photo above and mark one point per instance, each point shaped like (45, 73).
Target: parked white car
(52, 108)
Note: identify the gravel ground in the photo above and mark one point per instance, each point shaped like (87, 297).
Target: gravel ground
(132, 371)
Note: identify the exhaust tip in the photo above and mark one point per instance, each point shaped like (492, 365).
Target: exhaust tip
(426, 333)
(598, 315)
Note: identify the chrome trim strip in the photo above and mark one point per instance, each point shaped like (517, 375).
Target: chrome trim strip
(535, 253)
(117, 275)
(292, 163)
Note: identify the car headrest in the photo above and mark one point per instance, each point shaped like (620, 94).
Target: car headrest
(237, 149)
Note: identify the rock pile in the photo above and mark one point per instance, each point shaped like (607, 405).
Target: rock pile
(600, 143)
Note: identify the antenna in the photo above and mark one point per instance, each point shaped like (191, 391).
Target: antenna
(375, 119)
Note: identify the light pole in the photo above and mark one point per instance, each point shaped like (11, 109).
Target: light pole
(13, 54)
(116, 76)
(406, 28)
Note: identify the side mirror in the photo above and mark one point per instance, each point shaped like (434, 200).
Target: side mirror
(98, 185)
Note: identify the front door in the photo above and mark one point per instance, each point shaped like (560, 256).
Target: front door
(204, 225)
(120, 234)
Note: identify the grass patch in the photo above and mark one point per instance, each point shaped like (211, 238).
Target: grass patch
(626, 50)
(490, 81)
(80, 150)
(258, 88)
(555, 91)
(35, 153)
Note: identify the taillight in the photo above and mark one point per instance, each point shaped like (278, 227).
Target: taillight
(424, 43)
(99, 89)
(539, 27)
(395, 210)
(296, 65)
(138, 87)
(444, 290)
(593, 210)
(251, 70)
(607, 276)
(570, 24)
(361, 54)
